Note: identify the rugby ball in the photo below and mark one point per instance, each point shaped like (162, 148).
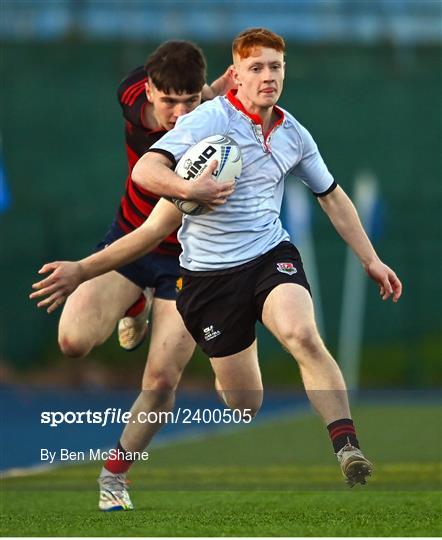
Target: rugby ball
(196, 159)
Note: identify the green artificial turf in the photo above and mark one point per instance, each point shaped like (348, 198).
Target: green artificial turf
(276, 478)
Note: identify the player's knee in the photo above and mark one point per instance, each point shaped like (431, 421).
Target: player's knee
(73, 348)
(248, 402)
(161, 381)
(302, 339)
(249, 408)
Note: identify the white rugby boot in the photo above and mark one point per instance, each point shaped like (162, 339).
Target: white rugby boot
(354, 465)
(133, 330)
(113, 493)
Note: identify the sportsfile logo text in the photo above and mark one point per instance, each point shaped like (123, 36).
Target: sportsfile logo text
(113, 415)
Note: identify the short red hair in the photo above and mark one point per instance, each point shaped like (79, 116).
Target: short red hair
(246, 41)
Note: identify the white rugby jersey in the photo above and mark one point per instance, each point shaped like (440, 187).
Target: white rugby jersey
(248, 224)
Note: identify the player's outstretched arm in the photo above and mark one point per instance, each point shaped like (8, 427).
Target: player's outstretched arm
(219, 86)
(345, 219)
(152, 171)
(66, 276)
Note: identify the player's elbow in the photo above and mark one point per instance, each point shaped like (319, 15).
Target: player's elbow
(145, 170)
(139, 172)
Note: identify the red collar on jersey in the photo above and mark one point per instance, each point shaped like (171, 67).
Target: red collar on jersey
(256, 119)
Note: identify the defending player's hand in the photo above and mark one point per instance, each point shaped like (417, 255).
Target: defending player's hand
(387, 280)
(207, 190)
(220, 86)
(64, 278)
(225, 83)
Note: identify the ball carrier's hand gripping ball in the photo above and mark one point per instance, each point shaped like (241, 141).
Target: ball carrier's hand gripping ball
(197, 158)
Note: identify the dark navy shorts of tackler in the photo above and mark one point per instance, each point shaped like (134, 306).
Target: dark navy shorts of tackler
(152, 270)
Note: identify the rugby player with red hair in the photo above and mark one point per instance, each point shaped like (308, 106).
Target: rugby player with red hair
(262, 263)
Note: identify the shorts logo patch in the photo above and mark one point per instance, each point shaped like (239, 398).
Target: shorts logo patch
(179, 284)
(286, 268)
(210, 333)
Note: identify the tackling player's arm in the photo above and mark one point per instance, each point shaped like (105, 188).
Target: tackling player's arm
(66, 276)
(153, 172)
(345, 219)
(220, 86)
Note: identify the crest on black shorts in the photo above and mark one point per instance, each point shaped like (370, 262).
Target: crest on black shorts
(286, 268)
(179, 284)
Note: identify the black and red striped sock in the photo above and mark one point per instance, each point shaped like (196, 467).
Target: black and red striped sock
(136, 308)
(342, 432)
(118, 465)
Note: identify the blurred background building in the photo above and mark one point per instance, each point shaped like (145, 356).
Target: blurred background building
(310, 21)
(363, 76)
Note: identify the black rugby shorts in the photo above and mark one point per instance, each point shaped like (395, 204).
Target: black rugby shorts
(220, 309)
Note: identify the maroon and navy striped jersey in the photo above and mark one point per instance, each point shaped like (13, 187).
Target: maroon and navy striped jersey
(137, 203)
